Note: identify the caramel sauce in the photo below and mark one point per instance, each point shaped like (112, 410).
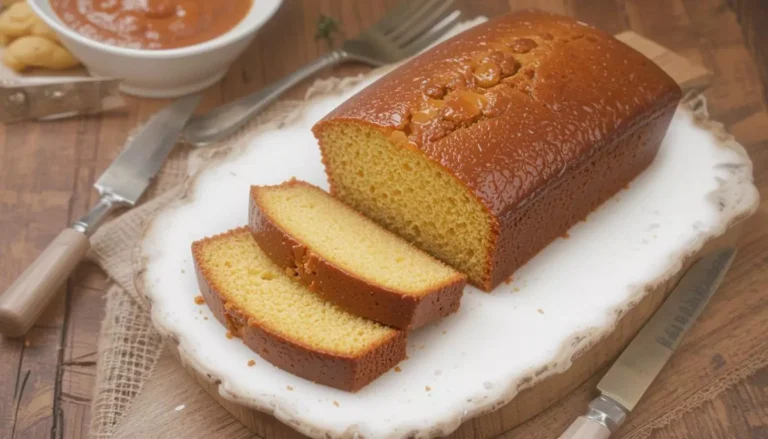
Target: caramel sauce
(476, 89)
(151, 24)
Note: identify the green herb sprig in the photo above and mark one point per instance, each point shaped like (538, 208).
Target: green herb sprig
(327, 27)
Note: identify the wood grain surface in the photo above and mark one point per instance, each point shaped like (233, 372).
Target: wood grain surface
(47, 169)
(753, 15)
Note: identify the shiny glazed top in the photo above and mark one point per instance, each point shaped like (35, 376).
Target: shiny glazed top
(514, 102)
(151, 24)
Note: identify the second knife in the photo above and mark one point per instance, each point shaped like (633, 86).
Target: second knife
(634, 371)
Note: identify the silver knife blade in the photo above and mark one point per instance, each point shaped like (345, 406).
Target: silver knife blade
(640, 363)
(144, 153)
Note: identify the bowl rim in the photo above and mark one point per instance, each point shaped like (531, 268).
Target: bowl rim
(232, 36)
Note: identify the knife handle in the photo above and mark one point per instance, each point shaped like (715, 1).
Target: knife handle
(24, 301)
(586, 428)
(604, 417)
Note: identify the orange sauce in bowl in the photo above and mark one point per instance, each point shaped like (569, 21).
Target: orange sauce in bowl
(151, 24)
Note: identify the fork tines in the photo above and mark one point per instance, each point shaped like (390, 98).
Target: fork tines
(413, 25)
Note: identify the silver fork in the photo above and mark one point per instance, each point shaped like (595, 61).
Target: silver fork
(408, 28)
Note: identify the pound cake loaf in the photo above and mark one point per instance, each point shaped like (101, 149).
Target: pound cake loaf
(348, 259)
(284, 322)
(490, 145)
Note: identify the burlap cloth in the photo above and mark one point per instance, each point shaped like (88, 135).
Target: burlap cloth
(129, 347)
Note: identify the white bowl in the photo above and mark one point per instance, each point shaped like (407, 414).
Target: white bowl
(161, 73)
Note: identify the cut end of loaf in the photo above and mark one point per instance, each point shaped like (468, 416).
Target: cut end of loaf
(383, 177)
(350, 241)
(350, 260)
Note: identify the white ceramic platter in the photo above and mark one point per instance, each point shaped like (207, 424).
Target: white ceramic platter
(565, 299)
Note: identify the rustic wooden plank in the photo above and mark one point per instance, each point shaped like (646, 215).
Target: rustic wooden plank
(737, 92)
(608, 15)
(77, 361)
(692, 77)
(37, 197)
(36, 395)
(185, 404)
(11, 351)
(79, 339)
(744, 408)
(751, 131)
(665, 21)
(37, 180)
(554, 6)
(78, 373)
(487, 8)
(752, 15)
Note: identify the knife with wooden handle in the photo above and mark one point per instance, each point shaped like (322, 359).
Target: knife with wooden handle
(634, 371)
(120, 185)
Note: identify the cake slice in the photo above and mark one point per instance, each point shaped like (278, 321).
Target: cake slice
(284, 322)
(348, 259)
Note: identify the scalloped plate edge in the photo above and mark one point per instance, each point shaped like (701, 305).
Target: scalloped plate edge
(570, 349)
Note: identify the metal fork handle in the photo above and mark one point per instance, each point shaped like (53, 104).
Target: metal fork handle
(226, 119)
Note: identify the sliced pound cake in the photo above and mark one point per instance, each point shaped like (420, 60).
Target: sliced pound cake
(350, 260)
(284, 322)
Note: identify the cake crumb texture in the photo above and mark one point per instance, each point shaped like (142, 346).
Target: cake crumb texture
(350, 260)
(351, 241)
(284, 322)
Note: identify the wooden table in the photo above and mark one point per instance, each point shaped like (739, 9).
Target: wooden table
(47, 169)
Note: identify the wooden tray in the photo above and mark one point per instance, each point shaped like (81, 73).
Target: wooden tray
(569, 328)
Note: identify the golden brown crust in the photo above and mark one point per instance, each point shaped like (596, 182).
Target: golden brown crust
(348, 290)
(531, 227)
(511, 138)
(342, 372)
